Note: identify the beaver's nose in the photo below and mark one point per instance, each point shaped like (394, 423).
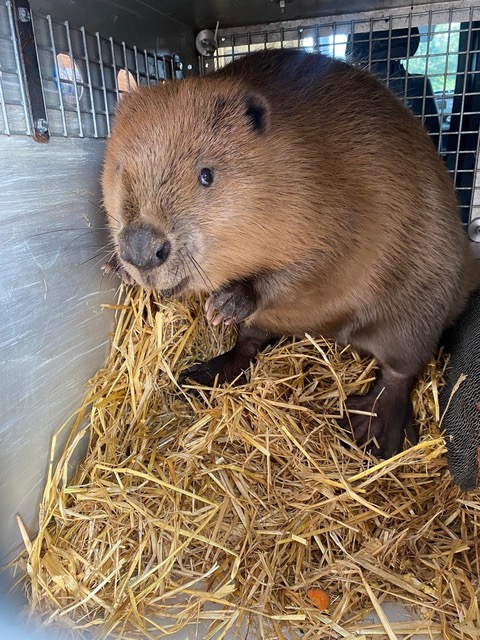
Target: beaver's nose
(143, 246)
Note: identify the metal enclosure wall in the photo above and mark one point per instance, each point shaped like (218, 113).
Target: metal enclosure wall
(54, 330)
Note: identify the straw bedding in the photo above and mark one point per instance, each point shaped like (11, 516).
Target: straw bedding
(219, 510)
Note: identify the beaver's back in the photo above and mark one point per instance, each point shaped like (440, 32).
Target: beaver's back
(373, 168)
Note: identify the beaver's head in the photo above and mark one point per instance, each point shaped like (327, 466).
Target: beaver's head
(188, 185)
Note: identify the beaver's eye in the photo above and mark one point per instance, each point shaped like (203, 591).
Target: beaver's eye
(205, 177)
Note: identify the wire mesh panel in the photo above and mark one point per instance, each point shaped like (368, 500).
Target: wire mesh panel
(13, 112)
(83, 76)
(428, 57)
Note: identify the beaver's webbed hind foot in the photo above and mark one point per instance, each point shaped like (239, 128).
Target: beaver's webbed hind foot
(384, 415)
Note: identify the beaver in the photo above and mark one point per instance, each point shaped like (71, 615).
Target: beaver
(302, 196)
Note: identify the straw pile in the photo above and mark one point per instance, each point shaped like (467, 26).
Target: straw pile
(219, 510)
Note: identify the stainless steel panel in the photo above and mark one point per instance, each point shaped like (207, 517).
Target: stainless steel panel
(54, 333)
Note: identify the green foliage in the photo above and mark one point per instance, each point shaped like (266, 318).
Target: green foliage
(438, 57)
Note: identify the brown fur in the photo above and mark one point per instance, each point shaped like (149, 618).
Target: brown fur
(337, 208)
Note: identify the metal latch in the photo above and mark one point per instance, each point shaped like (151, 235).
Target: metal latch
(27, 50)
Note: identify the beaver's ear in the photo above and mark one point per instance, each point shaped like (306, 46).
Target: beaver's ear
(257, 111)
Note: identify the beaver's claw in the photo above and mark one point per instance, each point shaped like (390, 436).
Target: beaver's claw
(233, 303)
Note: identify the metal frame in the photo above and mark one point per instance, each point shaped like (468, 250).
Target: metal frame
(460, 158)
(98, 59)
(406, 13)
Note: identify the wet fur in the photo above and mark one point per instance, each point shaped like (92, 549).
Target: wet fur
(329, 200)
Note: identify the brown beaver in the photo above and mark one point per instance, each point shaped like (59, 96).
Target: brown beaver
(304, 197)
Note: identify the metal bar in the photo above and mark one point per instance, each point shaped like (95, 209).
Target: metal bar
(370, 44)
(115, 72)
(104, 86)
(57, 73)
(334, 35)
(147, 72)
(425, 77)
(155, 63)
(352, 34)
(18, 63)
(168, 67)
(74, 78)
(31, 70)
(176, 66)
(216, 62)
(90, 84)
(125, 59)
(4, 108)
(135, 55)
(389, 50)
(464, 90)
(407, 62)
(445, 77)
(19, 73)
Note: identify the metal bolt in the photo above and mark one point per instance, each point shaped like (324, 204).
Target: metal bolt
(281, 3)
(41, 125)
(24, 14)
(474, 230)
(209, 46)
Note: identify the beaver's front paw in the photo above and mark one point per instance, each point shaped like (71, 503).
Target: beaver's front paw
(233, 303)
